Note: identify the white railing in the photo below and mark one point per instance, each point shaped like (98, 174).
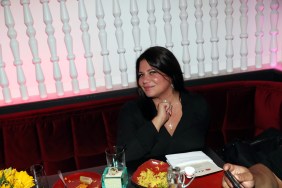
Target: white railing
(48, 53)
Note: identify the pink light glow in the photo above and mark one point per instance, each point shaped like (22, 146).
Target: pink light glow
(268, 36)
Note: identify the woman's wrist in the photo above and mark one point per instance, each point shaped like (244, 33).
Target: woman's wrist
(157, 122)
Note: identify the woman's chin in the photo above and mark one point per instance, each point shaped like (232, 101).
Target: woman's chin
(150, 95)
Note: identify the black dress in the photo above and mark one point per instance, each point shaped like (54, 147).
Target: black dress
(143, 141)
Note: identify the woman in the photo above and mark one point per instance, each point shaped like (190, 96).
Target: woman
(166, 119)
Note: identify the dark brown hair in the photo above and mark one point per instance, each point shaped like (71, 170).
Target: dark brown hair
(162, 59)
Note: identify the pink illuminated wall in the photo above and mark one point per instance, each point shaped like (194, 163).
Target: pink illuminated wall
(269, 13)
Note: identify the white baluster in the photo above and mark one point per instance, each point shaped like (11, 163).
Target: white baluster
(200, 40)
(47, 17)
(68, 42)
(229, 36)
(135, 30)
(274, 14)
(167, 26)
(4, 82)
(86, 43)
(103, 41)
(14, 44)
(244, 34)
(152, 21)
(214, 38)
(30, 31)
(185, 42)
(119, 37)
(259, 32)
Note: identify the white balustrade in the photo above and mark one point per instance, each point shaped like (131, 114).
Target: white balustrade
(244, 34)
(47, 17)
(185, 42)
(214, 38)
(103, 41)
(135, 29)
(152, 22)
(229, 36)
(69, 46)
(274, 14)
(75, 28)
(200, 40)
(14, 44)
(33, 45)
(119, 37)
(86, 43)
(167, 25)
(259, 33)
(4, 82)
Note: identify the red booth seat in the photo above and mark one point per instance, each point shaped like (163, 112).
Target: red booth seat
(74, 136)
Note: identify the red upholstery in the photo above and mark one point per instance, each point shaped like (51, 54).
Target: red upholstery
(21, 147)
(239, 114)
(66, 137)
(74, 136)
(241, 109)
(268, 104)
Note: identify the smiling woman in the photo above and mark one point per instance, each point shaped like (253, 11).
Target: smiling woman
(167, 118)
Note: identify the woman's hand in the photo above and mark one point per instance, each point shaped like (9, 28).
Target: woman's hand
(164, 109)
(242, 174)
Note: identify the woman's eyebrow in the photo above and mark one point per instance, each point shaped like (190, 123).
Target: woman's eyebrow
(147, 70)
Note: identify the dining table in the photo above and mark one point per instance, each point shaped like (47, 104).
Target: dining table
(213, 180)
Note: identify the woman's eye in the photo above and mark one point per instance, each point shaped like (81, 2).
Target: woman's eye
(140, 75)
(153, 72)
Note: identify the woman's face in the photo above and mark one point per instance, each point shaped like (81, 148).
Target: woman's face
(154, 83)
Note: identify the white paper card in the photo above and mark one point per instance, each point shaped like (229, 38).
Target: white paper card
(202, 163)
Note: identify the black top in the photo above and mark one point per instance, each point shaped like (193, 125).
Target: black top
(274, 162)
(141, 138)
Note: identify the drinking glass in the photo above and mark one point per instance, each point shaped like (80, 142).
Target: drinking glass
(39, 176)
(115, 174)
(115, 156)
(176, 178)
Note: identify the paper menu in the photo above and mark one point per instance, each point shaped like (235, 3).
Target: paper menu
(202, 163)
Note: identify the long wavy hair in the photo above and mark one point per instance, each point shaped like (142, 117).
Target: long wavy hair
(163, 60)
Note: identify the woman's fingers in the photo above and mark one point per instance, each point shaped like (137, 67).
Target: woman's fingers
(169, 109)
(165, 109)
(168, 106)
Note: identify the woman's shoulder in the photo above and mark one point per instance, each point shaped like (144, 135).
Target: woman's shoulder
(131, 104)
(192, 97)
(194, 101)
(134, 104)
(128, 108)
(140, 105)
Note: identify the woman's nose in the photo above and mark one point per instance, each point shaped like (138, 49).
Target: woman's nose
(145, 79)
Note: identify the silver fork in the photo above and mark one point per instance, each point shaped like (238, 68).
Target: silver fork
(62, 178)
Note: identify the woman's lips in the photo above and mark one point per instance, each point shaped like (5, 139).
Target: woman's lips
(147, 88)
